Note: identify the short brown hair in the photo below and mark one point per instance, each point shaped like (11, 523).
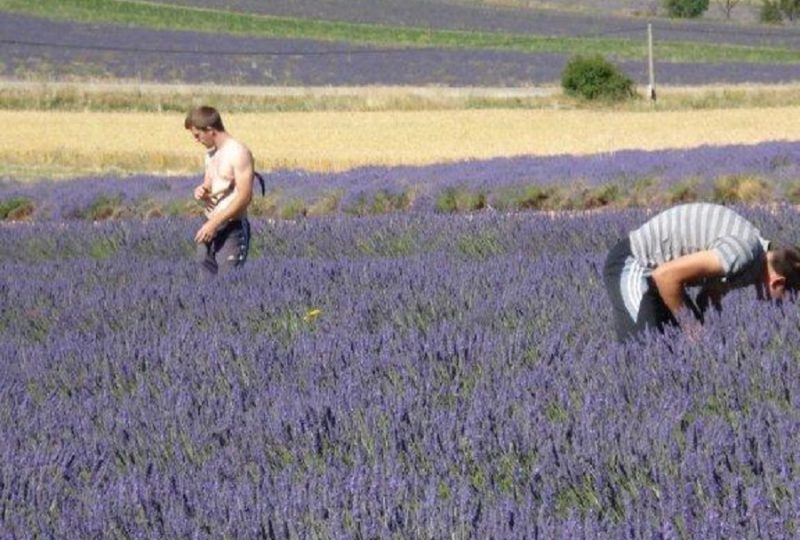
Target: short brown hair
(204, 117)
(786, 262)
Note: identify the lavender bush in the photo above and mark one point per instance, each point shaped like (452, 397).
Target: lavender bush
(296, 62)
(623, 178)
(458, 379)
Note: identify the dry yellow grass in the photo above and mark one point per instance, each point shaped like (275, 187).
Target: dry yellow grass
(94, 142)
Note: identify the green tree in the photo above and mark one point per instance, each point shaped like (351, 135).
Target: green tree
(790, 9)
(686, 9)
(594, 77)
(770, 12)
(727, 6)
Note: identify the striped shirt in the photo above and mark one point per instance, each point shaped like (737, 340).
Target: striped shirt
(687, 229)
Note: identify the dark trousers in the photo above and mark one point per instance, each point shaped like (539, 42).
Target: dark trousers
(653, 312)
(227, 250)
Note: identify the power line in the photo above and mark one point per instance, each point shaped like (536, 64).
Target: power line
(330, 52)
(117, 48)
(626, 30)
(728, 31)
(672, 29)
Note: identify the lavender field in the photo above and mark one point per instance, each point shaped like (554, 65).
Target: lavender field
(759, 174)
(388, 370)
(601, 19)
(400, 376)
(81, 51)
(409, 352)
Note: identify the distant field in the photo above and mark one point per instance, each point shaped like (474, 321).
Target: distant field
(68, 143)
(617, 42)
(92, 40)
(559, 17)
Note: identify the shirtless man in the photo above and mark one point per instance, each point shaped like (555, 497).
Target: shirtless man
(227, 189)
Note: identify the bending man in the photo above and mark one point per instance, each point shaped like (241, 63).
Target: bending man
(227, 189)
(699, 244)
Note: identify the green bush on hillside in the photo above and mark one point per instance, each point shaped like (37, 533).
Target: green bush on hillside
(594, 77)
(686, 9)
(790, 9)
(770, 12)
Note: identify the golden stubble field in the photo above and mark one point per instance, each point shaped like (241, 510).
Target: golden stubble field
(96, 142)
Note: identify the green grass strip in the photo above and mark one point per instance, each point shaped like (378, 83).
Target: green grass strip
(168, 17)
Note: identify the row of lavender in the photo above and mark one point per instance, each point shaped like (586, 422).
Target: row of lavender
(83, 52)
(602, 20)
(412, 376)
(743, 173)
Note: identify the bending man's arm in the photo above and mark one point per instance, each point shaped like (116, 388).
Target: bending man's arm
(672, 277)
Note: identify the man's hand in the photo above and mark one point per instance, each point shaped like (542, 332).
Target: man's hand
(205, 233)
(201, 193)
(692, 328)
(710, 296)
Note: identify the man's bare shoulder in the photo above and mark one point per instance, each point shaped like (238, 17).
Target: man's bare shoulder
(237, 153)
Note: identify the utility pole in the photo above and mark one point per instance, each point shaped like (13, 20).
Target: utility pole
(651, 88)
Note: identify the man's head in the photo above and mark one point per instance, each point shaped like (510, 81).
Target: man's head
(783, 271)
(205, 123)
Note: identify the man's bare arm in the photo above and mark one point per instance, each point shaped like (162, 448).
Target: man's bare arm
(672, 277)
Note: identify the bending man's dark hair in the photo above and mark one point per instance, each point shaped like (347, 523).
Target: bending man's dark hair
(786, 262)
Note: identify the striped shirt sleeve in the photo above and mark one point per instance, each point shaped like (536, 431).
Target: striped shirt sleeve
(736, 253)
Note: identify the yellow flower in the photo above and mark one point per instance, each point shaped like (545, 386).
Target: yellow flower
(312, 314)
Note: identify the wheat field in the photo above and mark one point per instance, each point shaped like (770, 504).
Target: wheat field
(107, 142)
